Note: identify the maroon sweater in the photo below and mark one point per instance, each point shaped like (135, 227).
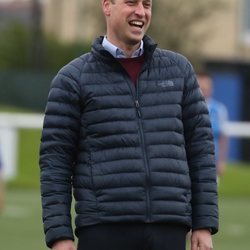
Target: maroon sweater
(132, 66)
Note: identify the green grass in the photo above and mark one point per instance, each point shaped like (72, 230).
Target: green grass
(234, 224)
(235, 182)
(28, 153)
(21, 224)
(14, 109)
(28, 159)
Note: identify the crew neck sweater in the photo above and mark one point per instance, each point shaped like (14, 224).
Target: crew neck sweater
(132, 66)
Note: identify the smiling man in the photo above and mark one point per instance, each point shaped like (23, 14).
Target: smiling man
(127, 23)
(127, 129)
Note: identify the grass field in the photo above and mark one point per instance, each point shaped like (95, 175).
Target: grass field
(20, 223)
(234, 224)
(21, 226)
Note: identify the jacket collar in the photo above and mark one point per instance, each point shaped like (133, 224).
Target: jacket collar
(116, 52)
(100, 51)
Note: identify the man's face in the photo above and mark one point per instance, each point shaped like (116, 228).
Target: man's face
(127, 20)
(206, 85)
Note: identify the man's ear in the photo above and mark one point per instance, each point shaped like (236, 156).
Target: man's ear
(106, 7)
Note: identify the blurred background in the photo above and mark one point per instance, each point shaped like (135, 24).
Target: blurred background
(38, 37)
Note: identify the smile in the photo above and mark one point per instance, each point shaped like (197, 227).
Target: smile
(138, 24)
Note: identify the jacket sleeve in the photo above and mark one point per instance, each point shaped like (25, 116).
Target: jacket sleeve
(57, 155)
(200, 155)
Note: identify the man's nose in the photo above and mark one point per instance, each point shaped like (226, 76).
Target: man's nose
(140, 11)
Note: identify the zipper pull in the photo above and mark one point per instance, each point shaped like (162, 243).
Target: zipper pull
(137, 105)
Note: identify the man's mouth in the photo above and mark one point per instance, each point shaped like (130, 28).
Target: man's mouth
(138, 24)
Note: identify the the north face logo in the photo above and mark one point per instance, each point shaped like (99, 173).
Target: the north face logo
(166, 84)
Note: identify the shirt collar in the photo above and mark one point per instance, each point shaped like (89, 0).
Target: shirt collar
(119, 53)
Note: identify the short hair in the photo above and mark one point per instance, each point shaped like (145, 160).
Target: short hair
(204, 73)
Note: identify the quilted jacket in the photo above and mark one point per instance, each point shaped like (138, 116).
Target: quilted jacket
(130, 154)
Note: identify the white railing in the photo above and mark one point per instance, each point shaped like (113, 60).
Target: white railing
(11, 122)
(21, 120)
(237, 129)
(35, 121)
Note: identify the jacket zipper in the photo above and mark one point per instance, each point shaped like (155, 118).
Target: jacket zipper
(135, 94)
(139, 116)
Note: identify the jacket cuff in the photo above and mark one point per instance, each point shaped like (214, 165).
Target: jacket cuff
(56, 234)
(207, 223)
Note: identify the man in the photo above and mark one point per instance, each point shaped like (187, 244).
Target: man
(126, 127)
(218, 116)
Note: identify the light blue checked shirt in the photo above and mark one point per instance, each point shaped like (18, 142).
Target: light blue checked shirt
(119, 53)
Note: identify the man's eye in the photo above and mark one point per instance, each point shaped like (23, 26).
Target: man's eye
(147, 5)
(130, 2)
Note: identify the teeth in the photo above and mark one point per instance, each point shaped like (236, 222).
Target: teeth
(137, 23)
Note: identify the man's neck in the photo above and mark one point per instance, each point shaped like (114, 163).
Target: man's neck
(128, 51)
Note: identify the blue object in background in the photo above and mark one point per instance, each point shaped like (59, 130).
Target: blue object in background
(228, 89)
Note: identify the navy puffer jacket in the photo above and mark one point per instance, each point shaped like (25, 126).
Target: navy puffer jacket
(132, 155)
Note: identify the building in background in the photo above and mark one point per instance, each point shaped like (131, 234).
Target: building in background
(18, 11)
(70, 20)
(229, 30)
(226, 52)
